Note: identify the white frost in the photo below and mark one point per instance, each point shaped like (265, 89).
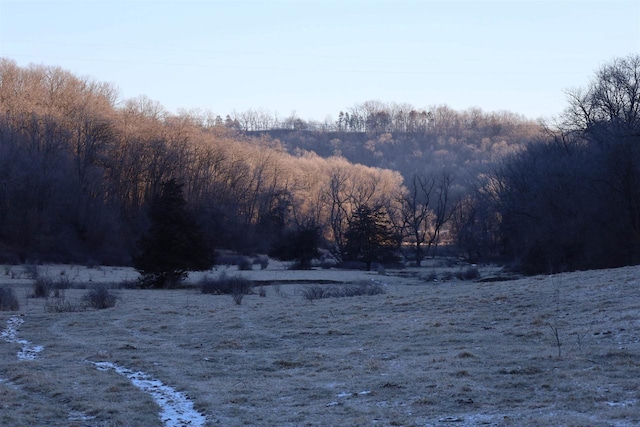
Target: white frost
(29, 351)
(176, 408)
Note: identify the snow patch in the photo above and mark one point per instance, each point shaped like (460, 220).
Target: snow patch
(80, 416)
(29, 351)
(623, 404)
(176, 408)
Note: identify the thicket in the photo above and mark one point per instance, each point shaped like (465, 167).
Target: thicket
(572, 200)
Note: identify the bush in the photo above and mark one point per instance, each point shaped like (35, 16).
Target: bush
(226, 285)
(245, 264)
(100, 297)
(42, 288)
(8, 300)
(363, 288)
(470, 273)
(432, 276)
(237, 297)
(263, 261)
(314, 292)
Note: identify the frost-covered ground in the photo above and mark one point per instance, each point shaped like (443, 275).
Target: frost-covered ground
(547, 350)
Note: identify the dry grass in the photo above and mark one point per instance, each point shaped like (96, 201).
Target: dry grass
(424, 353)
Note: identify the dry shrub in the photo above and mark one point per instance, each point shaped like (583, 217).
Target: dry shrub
(314, 292)
(470, 273)
(8, 300)
(41, 288)
(237, 297)
(226, 285)
(350, 290)
(100, 297)
(44, 287)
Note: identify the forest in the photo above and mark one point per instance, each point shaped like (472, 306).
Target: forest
(79, 169)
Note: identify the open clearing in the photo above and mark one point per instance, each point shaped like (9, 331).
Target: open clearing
(547, 350)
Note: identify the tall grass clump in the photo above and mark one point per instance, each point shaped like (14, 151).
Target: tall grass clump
(100, 297)
(226, 285)
(8, 300)
(42, 288)
(349, 290)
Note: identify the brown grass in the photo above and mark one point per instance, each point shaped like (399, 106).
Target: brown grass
(424, 353)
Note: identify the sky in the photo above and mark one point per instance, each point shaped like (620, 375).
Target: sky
(316, 58)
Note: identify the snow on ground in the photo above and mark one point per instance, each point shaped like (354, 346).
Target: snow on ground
(29, 351)
(176, 408)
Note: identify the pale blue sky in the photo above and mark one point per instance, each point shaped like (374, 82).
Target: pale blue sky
(320, 57)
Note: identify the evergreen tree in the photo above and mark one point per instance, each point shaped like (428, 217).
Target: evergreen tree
(370, 238)
(174, 243)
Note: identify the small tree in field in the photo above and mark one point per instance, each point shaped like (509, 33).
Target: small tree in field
(370, 238)
(174, 243)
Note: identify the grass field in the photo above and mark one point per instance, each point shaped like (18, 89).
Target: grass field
(547, 350)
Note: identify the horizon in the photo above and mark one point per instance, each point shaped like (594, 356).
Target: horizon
(316, 58)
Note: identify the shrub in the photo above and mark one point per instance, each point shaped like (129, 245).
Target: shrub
(100, 297)
(227, 285)
(8, 300)
(432, 276)
(237, 297)
(31, 270)
(314, 292)
(263, 260)
(245, 264)
(351, 290)
(42, 288)
(470, 273)
(262, 292)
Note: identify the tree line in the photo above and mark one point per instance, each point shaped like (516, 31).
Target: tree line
(79, 171)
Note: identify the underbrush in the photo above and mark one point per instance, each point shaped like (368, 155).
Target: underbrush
(348, 290)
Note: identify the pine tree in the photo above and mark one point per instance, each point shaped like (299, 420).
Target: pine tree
(370, 238)
(174, 244)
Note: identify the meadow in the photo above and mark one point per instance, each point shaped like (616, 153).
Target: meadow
(432, 350)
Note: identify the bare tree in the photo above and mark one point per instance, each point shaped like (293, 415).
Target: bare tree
(426, 208)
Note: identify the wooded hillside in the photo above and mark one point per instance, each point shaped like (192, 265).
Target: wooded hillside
(78, 168)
